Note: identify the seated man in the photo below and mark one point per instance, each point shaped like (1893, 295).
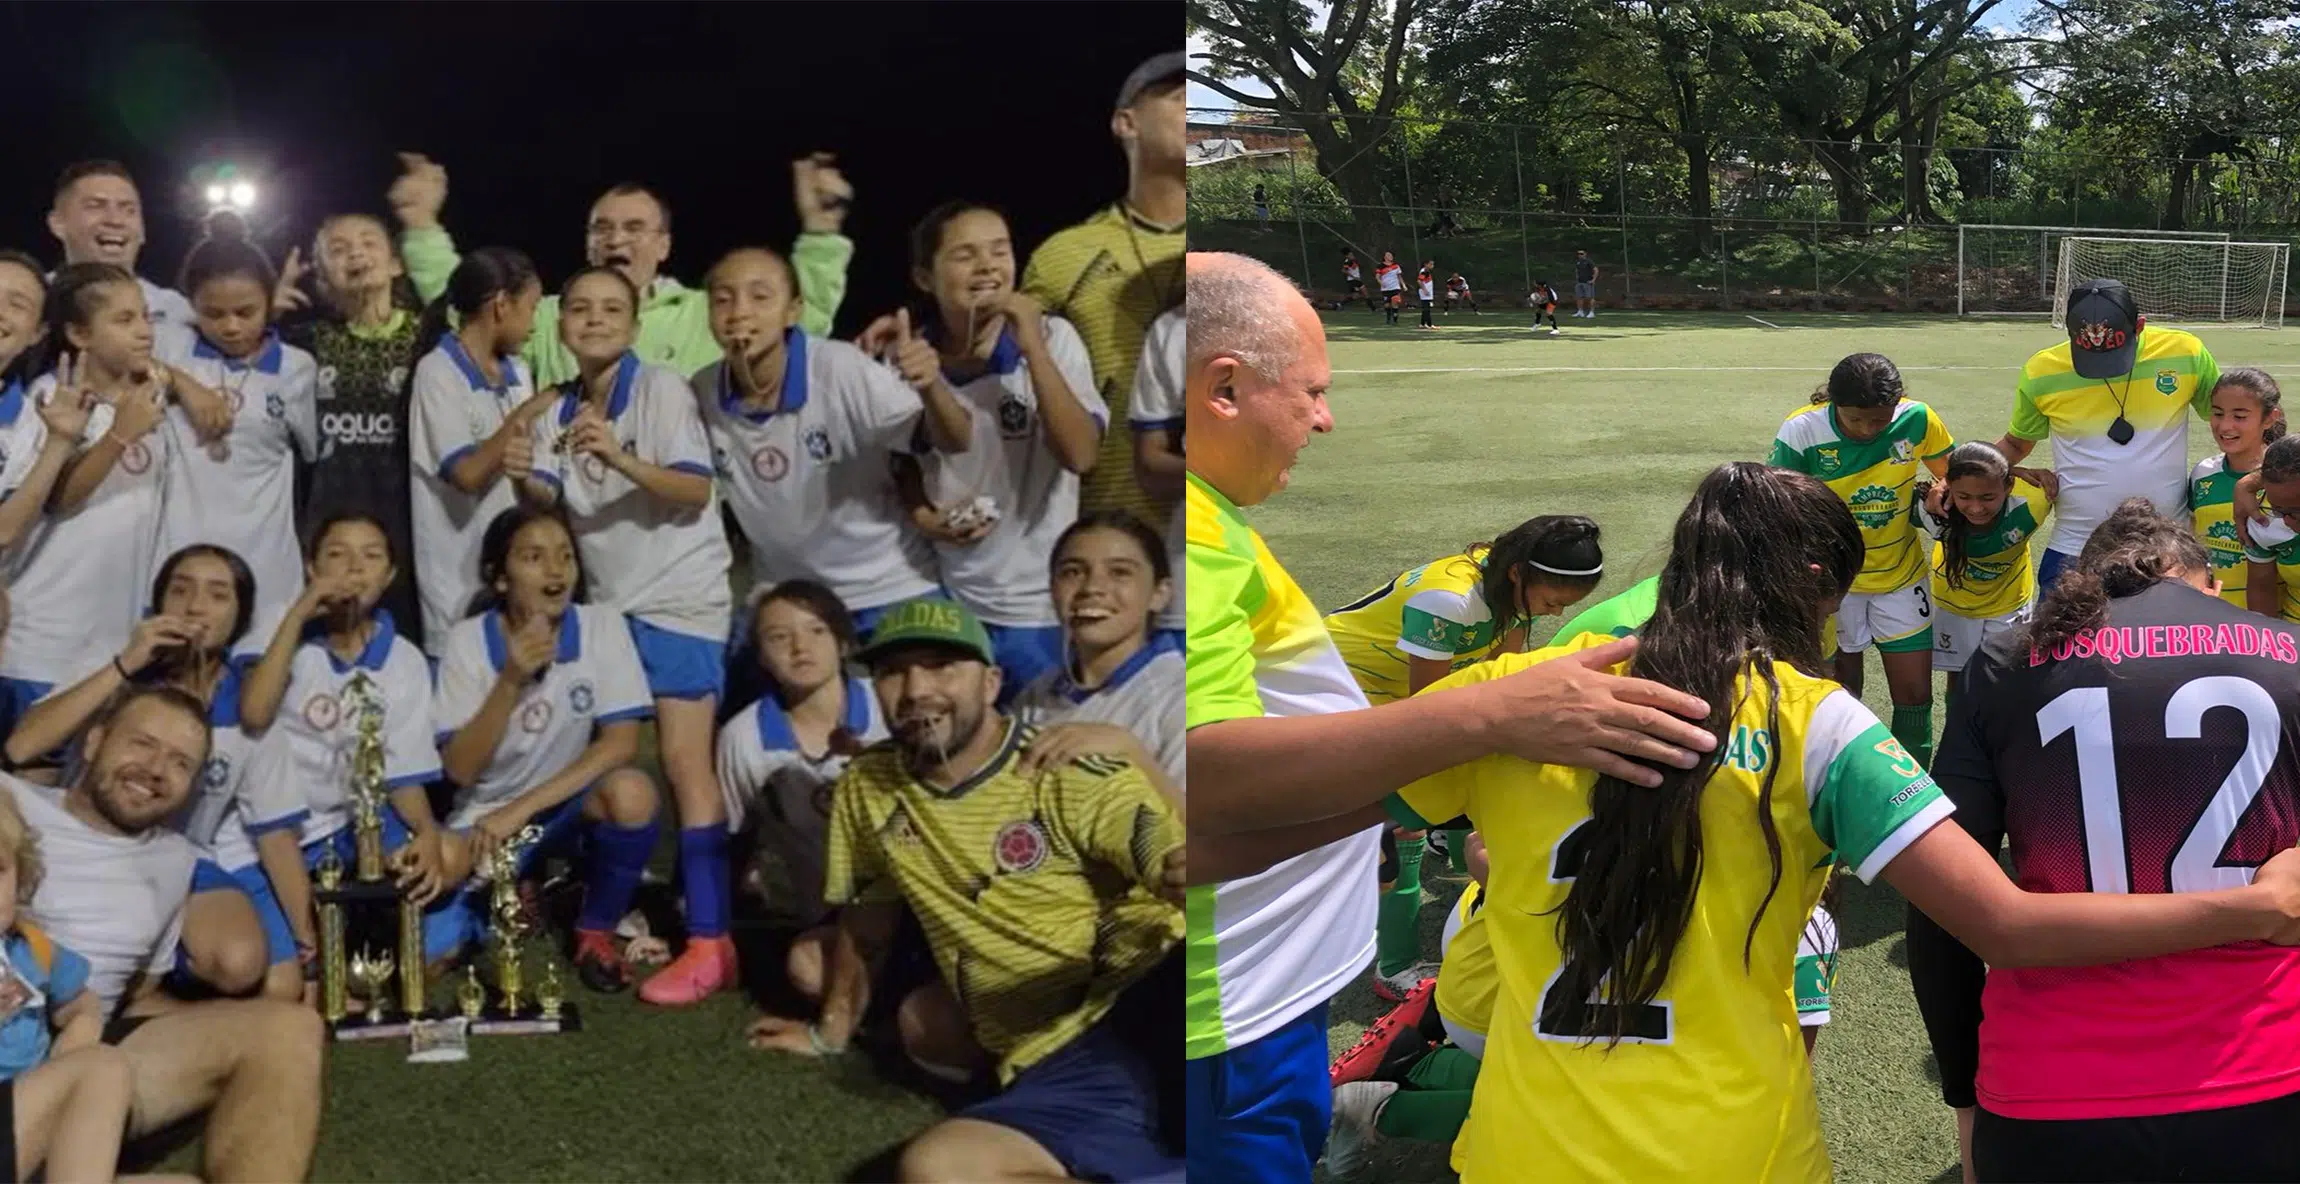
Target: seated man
(115, 890)
(1040, 898)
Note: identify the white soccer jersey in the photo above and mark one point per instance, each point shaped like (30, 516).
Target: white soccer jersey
(1427, 288)
(593, 679)
(1157, 406)
(320, 714)
(239, 492)
(812, 484)
(248, 785)
(169, 311)
(1003, 577)
(117, 901)
(762, 768)
(1145, 696)
(663, 564)
(78, 582)
(452, 412)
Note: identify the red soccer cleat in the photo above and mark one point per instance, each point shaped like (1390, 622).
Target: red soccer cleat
(706, 968)
(1394, 1037)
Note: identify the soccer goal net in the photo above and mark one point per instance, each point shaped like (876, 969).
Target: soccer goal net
(2013, 271)
(2227, 283)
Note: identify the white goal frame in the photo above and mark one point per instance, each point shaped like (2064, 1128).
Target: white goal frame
(2264, 310)
(2048, 239)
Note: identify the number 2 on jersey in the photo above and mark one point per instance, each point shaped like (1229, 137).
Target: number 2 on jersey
(2196, 866)
(1560, 1017)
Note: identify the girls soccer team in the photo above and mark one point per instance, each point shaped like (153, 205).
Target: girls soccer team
(514, 579)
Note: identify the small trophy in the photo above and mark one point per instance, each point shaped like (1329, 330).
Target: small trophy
(471, 997)
(374, 971)
(550, 1014)
(549, 994)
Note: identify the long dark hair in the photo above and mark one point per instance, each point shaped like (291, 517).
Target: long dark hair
(243, 585)
(495, 552)
(1758, 555)
(1540, 550)
(2127, 554)
(483, 275)
(1973, 458)
(1862, 380)
(74, 298)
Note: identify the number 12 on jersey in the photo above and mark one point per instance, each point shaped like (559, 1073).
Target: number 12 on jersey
(2195, 866)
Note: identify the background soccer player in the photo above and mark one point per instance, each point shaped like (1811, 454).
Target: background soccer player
(1867, 440)
(2118, 760)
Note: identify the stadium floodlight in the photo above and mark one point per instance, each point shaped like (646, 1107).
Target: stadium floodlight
(217, 196)
(243, 196)
(226, 187)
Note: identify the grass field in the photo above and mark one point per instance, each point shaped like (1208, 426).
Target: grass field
(1447, 437)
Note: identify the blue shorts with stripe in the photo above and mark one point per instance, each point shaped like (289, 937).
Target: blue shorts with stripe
(679, 665)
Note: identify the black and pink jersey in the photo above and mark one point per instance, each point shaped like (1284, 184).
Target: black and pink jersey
(2156, 753)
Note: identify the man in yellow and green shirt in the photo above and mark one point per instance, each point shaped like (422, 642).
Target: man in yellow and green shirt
(2114, 398)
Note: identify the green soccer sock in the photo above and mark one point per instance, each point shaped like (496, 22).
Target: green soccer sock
(1434, 1101)
(1913, 727)
(1397, 924)
(1457, 850)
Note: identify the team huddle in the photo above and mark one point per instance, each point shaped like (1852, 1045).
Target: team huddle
(403, 490)
(1655, 808)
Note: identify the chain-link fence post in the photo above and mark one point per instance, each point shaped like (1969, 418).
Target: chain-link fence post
(1413, 216)
(1294, 198)
(1524, 248)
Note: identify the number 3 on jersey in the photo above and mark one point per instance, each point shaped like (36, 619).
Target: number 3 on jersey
(2195, 866)
(1560, 1017)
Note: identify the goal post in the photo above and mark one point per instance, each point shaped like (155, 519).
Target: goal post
(2227, 282)
(2013, 270)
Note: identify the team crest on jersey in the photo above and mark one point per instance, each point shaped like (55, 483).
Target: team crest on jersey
(1013, 416)
(2167, 382)
(322, 711)
(535, 717)
(1828, 458)
(137, 459)
(2016, 534)
(216, 772)
(1903, 451)
(580, 697)
(1020, 847)
(594, 469)
(275, 407)
(1874, 506)
(769, 463)
(818, 443)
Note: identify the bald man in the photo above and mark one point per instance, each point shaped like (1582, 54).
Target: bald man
(1288, 764)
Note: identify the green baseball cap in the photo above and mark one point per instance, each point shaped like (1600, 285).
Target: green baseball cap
(930, 620)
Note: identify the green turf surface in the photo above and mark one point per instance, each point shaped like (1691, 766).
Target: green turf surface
(1447, 437)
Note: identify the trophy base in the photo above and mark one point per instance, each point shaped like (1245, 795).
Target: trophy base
(492, 1022)
(396, 1026)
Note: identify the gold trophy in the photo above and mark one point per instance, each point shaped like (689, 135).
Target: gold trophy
(374, 970)
(549, 994)
(502, 871)
(471, 996)
(367, 792)
(333, 1004)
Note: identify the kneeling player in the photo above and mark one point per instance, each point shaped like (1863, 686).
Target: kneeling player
(539, 701)
(1083, 858)
(1544, 302)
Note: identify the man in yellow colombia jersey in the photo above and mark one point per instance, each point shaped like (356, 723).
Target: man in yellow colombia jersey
(1048, 897)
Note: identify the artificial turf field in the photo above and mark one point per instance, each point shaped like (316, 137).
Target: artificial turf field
(1447, 437)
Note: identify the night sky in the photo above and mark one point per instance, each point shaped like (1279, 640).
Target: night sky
(535, 108)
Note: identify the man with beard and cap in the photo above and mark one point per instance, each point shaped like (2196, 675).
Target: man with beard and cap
(115, 889)
(2113, 397)
(630, 230)
(1047, 895)
(99, 218)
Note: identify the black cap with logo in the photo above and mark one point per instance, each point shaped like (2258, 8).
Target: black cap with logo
(2103, 329)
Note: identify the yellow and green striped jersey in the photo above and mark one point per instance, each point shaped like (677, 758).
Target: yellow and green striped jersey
(2000, 572)
(1267, 948)
(1031, 889)
(1877, 478)
(1435, 611)
(2284, 552)
(2212, 500)
(2172, 374)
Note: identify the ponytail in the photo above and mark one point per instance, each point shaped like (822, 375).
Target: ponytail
(1862, 380)
(2261, 385)
(2131, 552)
(483, 275)
(1559, 550)
(1973, 458)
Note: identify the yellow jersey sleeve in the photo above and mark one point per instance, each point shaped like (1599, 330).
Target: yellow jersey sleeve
(1937, 441)
(855, 869)
(1114, 816)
